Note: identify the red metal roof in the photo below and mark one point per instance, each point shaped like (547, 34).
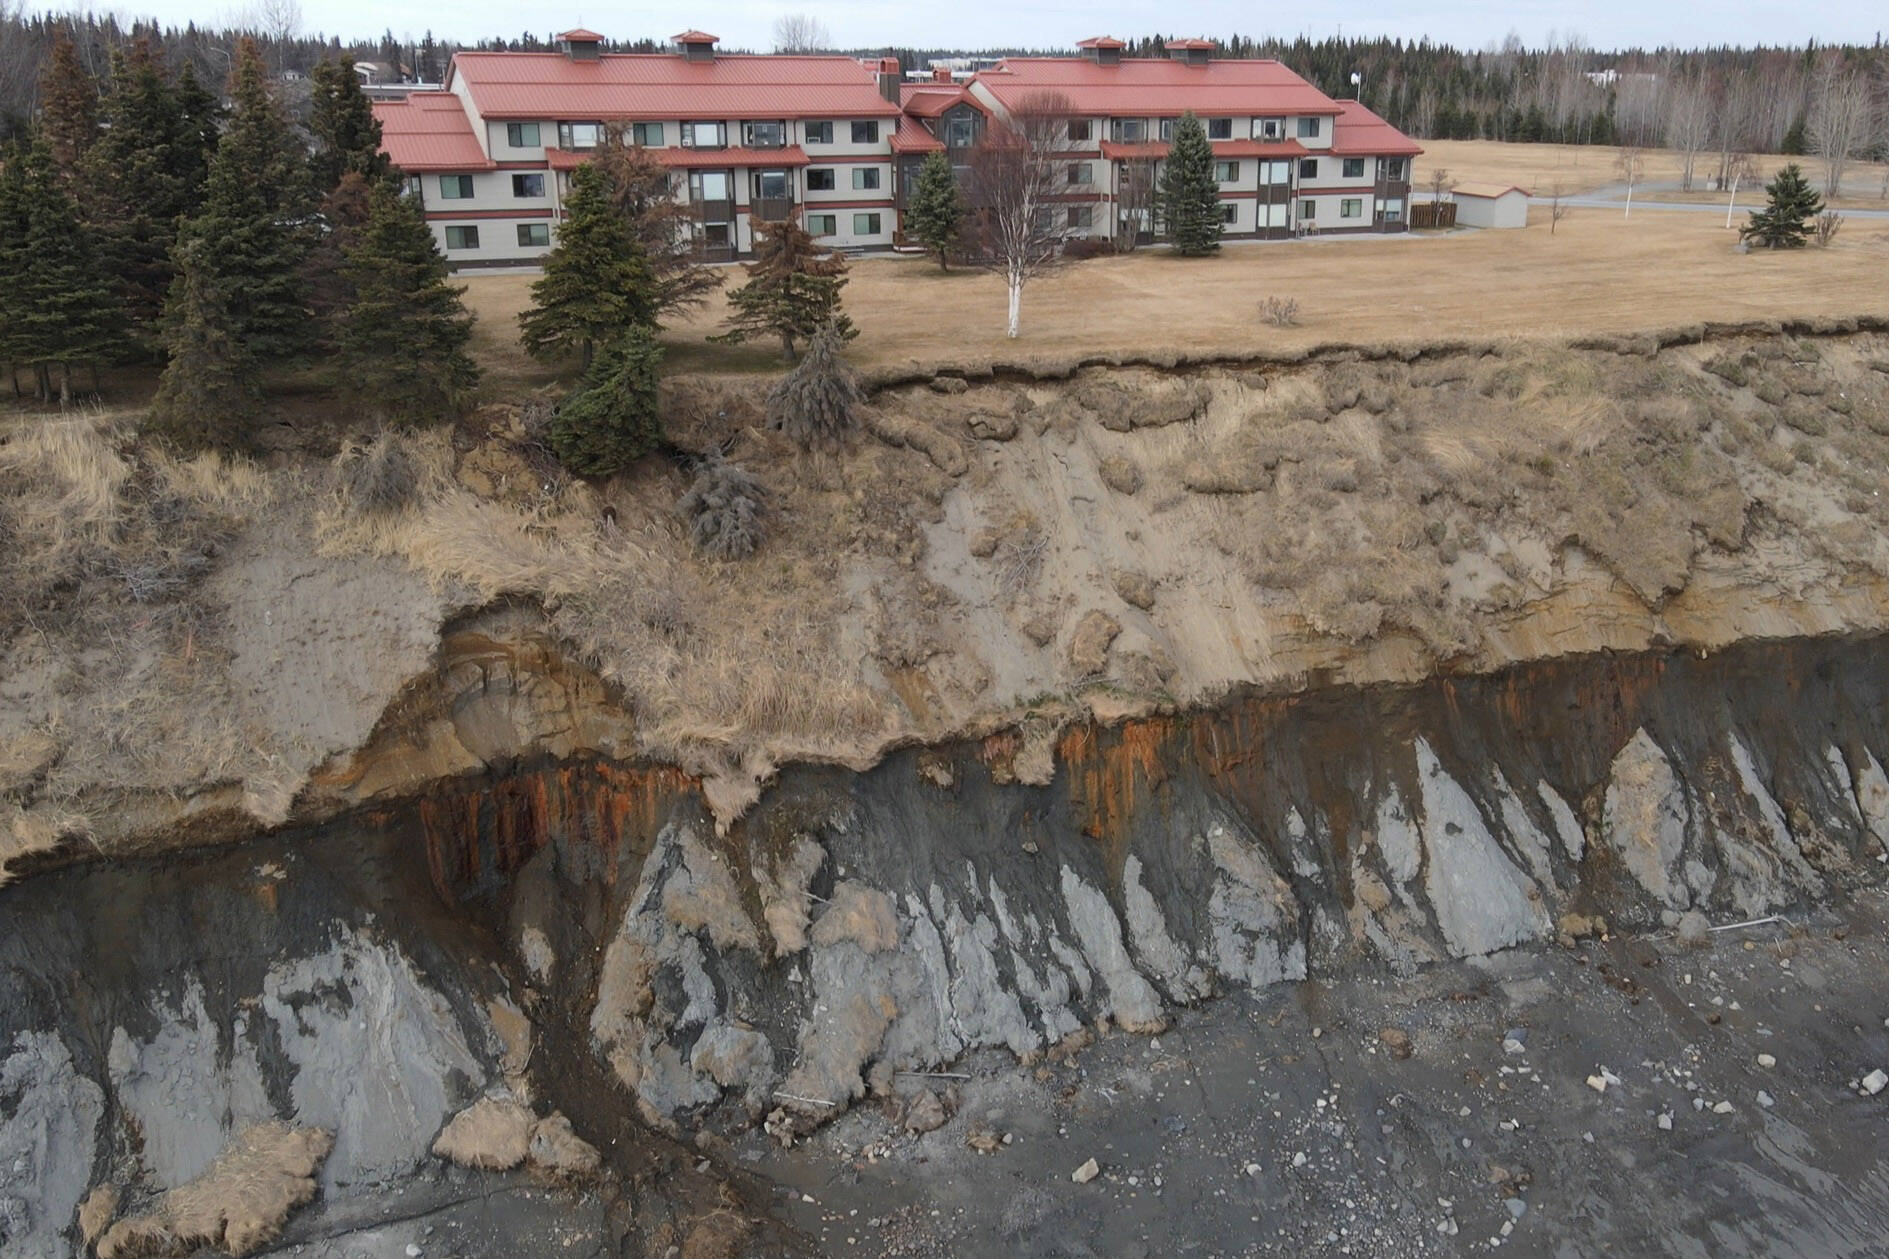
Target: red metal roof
(692, 159)
(582, 36)
(930, 99)
(1188, 43)
(1100, 41)
(666, 85)
(1359, 131)
(1148, 88)
(565, 159)
(911, 137)
(429, 131)
(1221, 148)
(696, 37)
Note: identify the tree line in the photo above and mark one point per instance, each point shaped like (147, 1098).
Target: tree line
(141, 219)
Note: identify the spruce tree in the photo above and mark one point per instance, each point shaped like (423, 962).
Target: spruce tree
(1797, 140)
(1190, 195)
(60, 309)
(936, 214)
(207, 397)
(1782, 222)
(68, 109)
(596, 282)
(12, 259)
(612, 420)
(256, 215)
(793, 290)
(146, 174)
(817, 403)
(347, 135)
(402, 343)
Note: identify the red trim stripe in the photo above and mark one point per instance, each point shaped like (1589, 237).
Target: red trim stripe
(447, 215)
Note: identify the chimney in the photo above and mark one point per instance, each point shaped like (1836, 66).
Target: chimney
(1190, 52)
(581, 45)
(696, 46)
(941, 74)
(1104, 50)
(891, 74)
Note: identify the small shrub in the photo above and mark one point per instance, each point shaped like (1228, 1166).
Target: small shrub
(1728, 367)
(380, 478)
(1280, 312)
(1084, 248)
(816, 404)
(725, 508)
(1826, 228)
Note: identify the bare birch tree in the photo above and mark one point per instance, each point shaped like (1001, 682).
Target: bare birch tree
(801, 33)
(1629, 164)
(1688, 124)
(1015, 188)
(1839, 123)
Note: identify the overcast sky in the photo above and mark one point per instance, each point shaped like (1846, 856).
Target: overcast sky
(1046, 23)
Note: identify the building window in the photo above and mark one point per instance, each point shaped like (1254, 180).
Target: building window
(1310, 128)
(960, 130)
(1394, 211)
(531, 185)
(866, 224)
(820, 179)
(823, 225)
(1354, 168)
(773, 185)
(534, 235)
(1219, 128)
(1167, 128)
(819, 132)
(1226, 172)
(1079, 173)
(462, 237)
(705, 135)
(522, 135)
(865, 178)
(455, 187)
(1080, 130)
(1394, 169)
(1081, 217)
(1308, 168)
(1308, 210)
(1229, 211)
(866, 132)
(1275, 172)
(1269, 128)
(1129, 130)
(764, 135)
(413, 186)
(1351, 208)
(647, 134)
(573, 136)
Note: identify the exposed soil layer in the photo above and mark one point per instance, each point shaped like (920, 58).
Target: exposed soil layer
(579, 948)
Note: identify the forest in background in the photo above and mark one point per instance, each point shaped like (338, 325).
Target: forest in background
(1715, 104)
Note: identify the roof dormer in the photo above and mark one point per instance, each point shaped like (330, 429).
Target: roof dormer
(581, 45)
(1190, 52)
(1104, 50)
(696, 45)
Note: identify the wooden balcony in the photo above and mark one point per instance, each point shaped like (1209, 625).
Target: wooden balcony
(771, 209)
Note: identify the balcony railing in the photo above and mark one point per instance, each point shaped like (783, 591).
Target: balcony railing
(771, 209)
(721, 210)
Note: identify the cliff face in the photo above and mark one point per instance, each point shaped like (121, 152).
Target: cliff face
(196, 651)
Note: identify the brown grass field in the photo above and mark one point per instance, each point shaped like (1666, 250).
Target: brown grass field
(1595, 273)
(1584, 167)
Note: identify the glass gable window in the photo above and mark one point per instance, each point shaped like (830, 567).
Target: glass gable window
(573, 136)
(522, 135)
(960, 131)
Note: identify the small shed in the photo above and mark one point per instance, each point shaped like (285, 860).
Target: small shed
(1490, 205)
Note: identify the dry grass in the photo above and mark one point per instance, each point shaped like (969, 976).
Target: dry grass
(1584, 167)
(1596, 274)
